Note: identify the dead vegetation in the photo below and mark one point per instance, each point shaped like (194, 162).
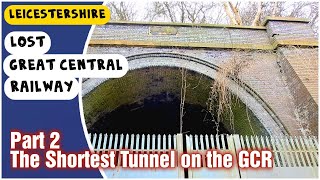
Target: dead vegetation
(219, 102)
(183, 95)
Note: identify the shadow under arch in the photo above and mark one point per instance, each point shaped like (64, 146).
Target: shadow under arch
(244, 92)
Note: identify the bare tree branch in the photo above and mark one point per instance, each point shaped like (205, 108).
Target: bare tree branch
(236, 13)
(229, 14)
(275, 8)
(169, 10)
(183, 95)
(122, 11)
(258, 14)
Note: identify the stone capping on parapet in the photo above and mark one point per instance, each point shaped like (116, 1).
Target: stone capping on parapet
(274, 44)
(285, 19)
(185, 25)
(264, 23)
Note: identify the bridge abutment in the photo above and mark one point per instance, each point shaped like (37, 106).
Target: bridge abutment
(277, 55)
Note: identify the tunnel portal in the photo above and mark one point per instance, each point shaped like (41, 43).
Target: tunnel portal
(148, 101)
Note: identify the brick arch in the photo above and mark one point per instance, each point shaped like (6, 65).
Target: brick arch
(245, 93)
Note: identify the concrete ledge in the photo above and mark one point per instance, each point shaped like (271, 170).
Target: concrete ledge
(267, 19)
(275, 45)
(185, 25)
(286, 19)
(306, 43)
(95, 42)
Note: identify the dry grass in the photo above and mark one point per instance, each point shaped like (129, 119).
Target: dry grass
(219, 103)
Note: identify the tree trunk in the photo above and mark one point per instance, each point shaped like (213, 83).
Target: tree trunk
(172, 17)
(258, 14)
(236, 13)
(229, 14)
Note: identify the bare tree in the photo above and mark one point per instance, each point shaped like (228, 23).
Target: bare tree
(236, 13)
(253, 13)
(274, 8)
(229, 13)
(250, 15)
(122, 11)
(166, 11)
(258, 14)
(175, 11)
(169, 8)
(197, 12)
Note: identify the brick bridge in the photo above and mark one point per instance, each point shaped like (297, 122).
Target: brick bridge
(279, 85)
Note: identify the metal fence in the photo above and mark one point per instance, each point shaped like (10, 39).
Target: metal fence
(293, 156)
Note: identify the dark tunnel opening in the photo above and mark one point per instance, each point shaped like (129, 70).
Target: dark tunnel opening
(158, 114)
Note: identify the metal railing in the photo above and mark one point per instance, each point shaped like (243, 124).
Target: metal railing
(291, 154)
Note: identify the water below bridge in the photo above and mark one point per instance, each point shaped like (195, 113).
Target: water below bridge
(159, 114)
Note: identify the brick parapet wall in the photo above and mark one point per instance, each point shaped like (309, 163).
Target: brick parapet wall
(283, 81)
